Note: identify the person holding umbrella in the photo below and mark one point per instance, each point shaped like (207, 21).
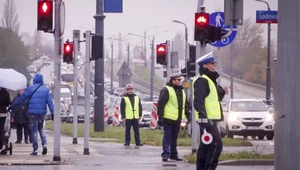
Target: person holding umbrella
(4, 104)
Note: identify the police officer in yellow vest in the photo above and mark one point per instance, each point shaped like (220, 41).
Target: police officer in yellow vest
(207, 96)
(172, 107)
(131, 112)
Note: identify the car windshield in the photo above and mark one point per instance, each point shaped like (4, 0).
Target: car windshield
(248, 106)
(67, 77)
(64, 95)
(147, 106)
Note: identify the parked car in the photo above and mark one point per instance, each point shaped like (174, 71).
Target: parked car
(248, 117)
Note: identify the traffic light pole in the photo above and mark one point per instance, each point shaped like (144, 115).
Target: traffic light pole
(112, 68)
(99, 71)
(169, 71)
(57, 57)
(87, 92)
(152, 70)
(76, 34)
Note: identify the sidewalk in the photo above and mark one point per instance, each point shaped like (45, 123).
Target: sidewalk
(101, 153)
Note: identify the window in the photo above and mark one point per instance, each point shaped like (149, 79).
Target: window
(248, 106)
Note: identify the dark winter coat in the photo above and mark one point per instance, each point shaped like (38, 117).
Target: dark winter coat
(4, 100)
(19, 113)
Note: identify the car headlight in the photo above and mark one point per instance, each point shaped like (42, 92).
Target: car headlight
(232, 117)
(270, 117)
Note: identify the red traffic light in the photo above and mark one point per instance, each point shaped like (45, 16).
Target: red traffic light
(45, 7)
(161, 49)
(45, 15)
(202, 18)
(68, 48)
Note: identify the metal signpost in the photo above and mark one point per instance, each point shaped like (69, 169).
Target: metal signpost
(76, 35)
(57, 58)
(267, 17)
(217, 19)
(168, 59)
(87, 92)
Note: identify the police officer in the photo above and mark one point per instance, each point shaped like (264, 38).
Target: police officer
(172, 107)
(207, 97)
(131, 112)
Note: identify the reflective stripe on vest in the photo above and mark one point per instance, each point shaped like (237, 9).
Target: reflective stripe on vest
(212, 104)
(171, 110)
(132, 113)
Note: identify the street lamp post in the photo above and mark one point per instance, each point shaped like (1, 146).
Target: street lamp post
(145, 47)
(268, 69)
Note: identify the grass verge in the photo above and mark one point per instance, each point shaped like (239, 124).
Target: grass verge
(148, 137)
(234, 156)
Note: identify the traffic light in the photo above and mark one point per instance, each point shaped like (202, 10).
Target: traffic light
(97, 47)
(68, 53)
(161, 54)
(45, 15)
(216, 34)
(190, 70)
(201, 27)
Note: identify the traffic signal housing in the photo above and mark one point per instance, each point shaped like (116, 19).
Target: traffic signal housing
(45, 15)
(216, 34)
(97, 47)
(161, 54)
(68, 53)
(201, 27)
(190, 70)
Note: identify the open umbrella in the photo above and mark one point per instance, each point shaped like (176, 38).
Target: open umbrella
(11, 79)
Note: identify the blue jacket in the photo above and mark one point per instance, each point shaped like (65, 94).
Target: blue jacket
(39, 100)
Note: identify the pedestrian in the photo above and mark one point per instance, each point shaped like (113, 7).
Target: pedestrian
(4, 105)
(131, 112)
(21, 119)
(172, 107)
(38, 97)
(208, 111)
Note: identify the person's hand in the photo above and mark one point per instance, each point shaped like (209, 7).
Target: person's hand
(160, 122)
(204, 123)
(9, 109)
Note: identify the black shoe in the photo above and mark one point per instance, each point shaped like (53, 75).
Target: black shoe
(44, 151)
(176, 158)
(139, 145)
(165, 159)
(18, 141)
(126, 144)
(3, 151)
(26, 141)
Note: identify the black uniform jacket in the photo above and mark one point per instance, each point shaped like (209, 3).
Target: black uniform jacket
(163, 99)
(201, 91)
(123, 105)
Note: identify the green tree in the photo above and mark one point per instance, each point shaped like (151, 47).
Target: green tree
(10, 17)
(13, 53)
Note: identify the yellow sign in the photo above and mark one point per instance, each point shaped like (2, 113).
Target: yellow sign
(186, 85)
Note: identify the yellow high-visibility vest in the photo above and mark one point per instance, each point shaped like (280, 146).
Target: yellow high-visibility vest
(171, 110)
(132, 113)
(212, 104)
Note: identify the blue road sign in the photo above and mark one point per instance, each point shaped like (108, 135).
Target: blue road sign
(113, 6)
(266, 17)
(217, 19)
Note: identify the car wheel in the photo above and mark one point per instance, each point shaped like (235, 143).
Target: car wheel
(228, 133)
(261, 137)
(270, 136)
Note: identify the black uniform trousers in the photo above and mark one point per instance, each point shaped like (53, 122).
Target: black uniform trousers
(2, 133)
(169, 143)
(135, 125)
(208, 155)
(20, 128)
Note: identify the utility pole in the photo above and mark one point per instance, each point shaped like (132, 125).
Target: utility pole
(169, 71)
(287, 150)
(231, 71)
(57, 57)
(152, 70)
(86, 150)
(128, 55)
(76, 35)
(112, 69)
(145, 49)
(99, 71)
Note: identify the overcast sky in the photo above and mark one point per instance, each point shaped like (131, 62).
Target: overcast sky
(137, 16)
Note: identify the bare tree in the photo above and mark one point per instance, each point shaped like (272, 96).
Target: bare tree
(10, 16)
(178, 45)
(37, 44)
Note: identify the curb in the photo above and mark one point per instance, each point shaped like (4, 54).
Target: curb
(30, 163)
(248, 162)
